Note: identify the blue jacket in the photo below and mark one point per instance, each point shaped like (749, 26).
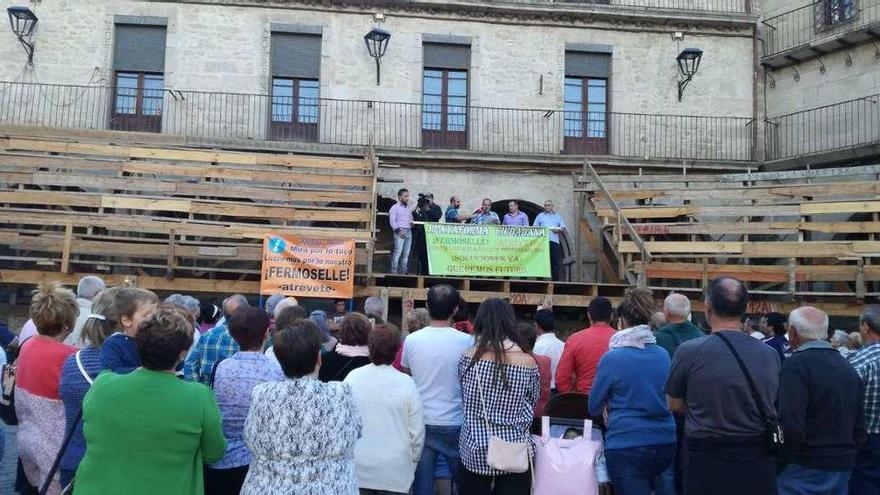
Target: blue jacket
(630, 381)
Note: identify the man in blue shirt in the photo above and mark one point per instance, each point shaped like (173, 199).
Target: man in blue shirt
(552, 220)
(486, 216)
(214, 346)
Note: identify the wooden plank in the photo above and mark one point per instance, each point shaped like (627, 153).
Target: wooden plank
(264, 174)
(65, 250)
(604, 263)
(780, 249)
(83, 148)
(703, 211)
(801, 174)
(760, 273)
(760, 193)
(812, 208)
(776, 228)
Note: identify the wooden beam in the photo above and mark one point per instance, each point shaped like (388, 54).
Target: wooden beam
(65, 250)
(780, 249)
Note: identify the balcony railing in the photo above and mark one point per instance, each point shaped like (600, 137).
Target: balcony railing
(846, 125)
(819, 20)
(707, 6)
(248, 119)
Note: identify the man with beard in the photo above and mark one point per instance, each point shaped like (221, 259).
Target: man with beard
(401, 224)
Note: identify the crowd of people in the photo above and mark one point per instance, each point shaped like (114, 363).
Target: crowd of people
(178, 397)
(409, 233)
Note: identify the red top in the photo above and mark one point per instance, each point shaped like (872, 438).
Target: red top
(580, 358)
(398, 360)
(464, 326)
(39, 366)
(544, 372)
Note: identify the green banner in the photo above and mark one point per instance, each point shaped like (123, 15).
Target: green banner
(488, 250)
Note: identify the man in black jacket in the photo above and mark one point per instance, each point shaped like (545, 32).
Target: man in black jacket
(820, 410)
(426, 211)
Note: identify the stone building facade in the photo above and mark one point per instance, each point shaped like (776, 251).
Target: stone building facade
(472, 94)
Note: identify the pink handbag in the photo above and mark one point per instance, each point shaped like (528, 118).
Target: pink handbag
(565, 466)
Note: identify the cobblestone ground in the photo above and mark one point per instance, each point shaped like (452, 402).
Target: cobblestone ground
(7, 466)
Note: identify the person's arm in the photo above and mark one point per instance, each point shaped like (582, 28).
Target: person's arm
(404, 359)
(561, 227)
(792, 409)
(112, 355)
(601, 390)
(416, 423)
(193, 363)
(392, 213)
(565, 368)
(676, 383)
(213, 443)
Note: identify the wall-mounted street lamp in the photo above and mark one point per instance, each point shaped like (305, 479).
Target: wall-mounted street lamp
(23, 22)
(377, 43)
(688, 65)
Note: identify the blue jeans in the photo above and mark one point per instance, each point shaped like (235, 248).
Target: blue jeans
(800, 480)
(866, 476)
(642, 470)
(439, 440)
(400, 255)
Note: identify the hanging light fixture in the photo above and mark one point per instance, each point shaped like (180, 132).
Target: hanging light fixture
(23, 21)
(688, 65)
(377, 43)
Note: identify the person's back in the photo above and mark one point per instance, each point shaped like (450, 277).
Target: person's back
(673, 335)
(431, 355)
(631, 381)
(393, 430)
(824, 393)
(719, 401)
(142, 429)
(580, 358)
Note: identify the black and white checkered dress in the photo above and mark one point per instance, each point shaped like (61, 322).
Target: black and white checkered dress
(510, 408)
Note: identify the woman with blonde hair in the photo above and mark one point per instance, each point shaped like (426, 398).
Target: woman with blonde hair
(37, 402)
(640, 443)
(79, 372)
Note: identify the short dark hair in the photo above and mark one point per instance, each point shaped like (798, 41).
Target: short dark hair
(776, 322)
(297, 348)
(248, 326)
(289, 315)
(354, 329)
(443, 299)
(600, 310)
(514, 202)
(163, 336)
(728, 297)
(528, 335)
(462, 314)
(401, 191)
(383, 343)
(545, 320)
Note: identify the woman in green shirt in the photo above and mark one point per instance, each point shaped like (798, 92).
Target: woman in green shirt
(148, 432)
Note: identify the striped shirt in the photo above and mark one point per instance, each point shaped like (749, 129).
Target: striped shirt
(213, 347)
(867, 365)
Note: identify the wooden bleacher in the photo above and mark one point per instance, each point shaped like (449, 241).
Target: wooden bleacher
(171, 218)
(799, 235)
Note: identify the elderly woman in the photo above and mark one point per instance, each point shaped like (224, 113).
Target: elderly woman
(147, 431)
(301, 432)
(234, 381)
(840, 341)
(38, 404)
(391, 443)
(351, 352)
(80, 371)
(640, 443)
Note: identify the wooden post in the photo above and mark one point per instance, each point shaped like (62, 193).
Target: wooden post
(374, 208)
(65, 253)
(861, 289)
(384, 295)
(169, 270)
(407, 307)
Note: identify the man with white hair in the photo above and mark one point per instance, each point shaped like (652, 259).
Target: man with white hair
(374, 307)
(215, 345)
(820, 409)
(678, 329)
(87, 290)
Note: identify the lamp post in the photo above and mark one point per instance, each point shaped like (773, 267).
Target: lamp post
(23, 22)
(688, 65)
(377, 42)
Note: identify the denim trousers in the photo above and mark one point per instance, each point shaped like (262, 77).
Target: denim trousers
(400, 255)
(801, 480)
(866, 475)
(439, 440)
(642, 470)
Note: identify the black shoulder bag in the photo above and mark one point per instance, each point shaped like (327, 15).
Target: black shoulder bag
(773, 434)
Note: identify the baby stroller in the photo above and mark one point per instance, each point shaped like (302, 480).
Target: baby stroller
(567, 412)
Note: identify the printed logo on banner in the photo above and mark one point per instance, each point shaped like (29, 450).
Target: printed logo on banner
(277, 245)
(305, 267)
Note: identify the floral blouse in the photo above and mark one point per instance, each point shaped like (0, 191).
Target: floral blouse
(301, 434)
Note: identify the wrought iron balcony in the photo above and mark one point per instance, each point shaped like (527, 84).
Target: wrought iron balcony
(818, 28)
(252, 120)
(702, 6)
